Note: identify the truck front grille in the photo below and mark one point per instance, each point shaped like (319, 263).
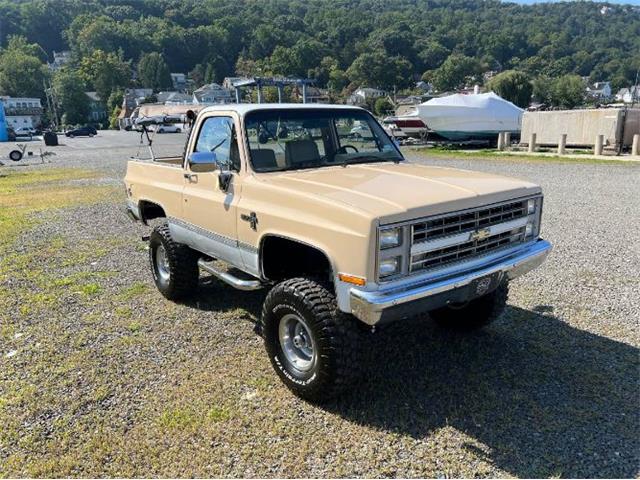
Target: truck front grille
(467, 221)
(466, 250)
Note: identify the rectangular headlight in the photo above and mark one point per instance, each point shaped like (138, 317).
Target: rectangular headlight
(390, 237)
(389, 266)
(531, 206)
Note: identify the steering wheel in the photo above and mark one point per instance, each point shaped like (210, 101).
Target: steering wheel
(343, 149)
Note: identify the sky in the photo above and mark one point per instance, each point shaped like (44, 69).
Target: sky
(622, 2)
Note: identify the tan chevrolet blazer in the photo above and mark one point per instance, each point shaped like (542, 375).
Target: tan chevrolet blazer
(317, 204)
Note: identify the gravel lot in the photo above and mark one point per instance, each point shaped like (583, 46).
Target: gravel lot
(100, 376)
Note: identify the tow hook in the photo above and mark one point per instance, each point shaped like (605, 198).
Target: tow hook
(145, 238)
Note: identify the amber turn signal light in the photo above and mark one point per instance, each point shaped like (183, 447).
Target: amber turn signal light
(351, 279)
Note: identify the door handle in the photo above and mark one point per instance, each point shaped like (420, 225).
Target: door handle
(192, 177)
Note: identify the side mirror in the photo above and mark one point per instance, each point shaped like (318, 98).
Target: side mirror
(203, 162)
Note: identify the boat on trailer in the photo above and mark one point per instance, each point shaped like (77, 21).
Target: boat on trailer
(462, 117)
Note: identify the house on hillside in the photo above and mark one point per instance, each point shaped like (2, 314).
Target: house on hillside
(229, 82)
(212, 93)
(363, 94)
(60, 59)
(629, 95)
(22, 112)
(314, 95)
(174, 98)
(132, 98)
(179, 81)
(97, 110)
(599, 91)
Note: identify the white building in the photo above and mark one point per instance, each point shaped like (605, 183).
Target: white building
(60, 59)
(179, 81)
(362, 94)
(599, 90)
(212, 93)
(22, 112)
(629, 95)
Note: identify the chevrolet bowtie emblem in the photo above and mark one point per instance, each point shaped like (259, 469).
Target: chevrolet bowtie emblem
(480, 235)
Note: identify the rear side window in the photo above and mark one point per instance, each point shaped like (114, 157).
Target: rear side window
(217, 134)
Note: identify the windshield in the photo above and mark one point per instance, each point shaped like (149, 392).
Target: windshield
(310, 138)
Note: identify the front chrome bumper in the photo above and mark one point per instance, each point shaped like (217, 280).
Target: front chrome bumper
(393, 302)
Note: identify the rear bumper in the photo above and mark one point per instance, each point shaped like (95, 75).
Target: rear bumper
(394, 303)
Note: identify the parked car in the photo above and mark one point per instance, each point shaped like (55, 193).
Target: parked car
(81, 132)
(27, 132)
(345, 237)
(166, 128)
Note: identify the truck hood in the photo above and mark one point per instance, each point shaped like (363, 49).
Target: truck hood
(399, 192)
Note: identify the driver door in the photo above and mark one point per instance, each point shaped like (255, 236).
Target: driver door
(210, 213)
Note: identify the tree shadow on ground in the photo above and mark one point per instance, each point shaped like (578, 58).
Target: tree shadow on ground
(546, 399)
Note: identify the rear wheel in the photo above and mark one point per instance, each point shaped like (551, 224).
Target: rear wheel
(15, 155)
(174, 265)
(475, 314)
(313, 347)
(178, 130)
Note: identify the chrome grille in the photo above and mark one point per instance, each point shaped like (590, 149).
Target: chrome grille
(466, 250)
(468, 221)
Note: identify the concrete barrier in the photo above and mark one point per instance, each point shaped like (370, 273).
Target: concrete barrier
(597, 149)
(562, 144)
(532, 143)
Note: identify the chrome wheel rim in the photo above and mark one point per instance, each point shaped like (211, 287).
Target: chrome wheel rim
(297, 343)
(162, 263)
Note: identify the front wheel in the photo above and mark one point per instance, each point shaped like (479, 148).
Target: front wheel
(475, 314)
(313, 347)
(174, 265)
(15, 155)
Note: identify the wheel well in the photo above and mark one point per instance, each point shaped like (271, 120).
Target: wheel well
(283, 258)
(150, 210)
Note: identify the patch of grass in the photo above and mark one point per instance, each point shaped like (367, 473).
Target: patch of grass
(449, 151)
(134, 327)
(178, 418)
(218, 414)
(124, 311)
(90, 289)
(134, 290)
(23, 194)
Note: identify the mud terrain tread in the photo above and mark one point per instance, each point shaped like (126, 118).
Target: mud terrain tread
(183, 265)
(339, 338)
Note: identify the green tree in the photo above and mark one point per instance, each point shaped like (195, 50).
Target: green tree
(21, 74)
(106, 72)
(567, 91)
(513, 86)
(455, 72)
(153, 72)
(382, 106)
(68, 89)
(377, 69)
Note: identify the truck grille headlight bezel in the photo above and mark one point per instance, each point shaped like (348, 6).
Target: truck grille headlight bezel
(390, 266)
(390, 238)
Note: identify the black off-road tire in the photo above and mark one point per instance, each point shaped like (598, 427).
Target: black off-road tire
(337, 339)
(15, 155)
(476, 314)
(182, 265)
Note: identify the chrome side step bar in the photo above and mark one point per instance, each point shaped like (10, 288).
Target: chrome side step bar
(226, 277)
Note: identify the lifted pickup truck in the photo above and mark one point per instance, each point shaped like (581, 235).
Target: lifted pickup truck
(345, 233)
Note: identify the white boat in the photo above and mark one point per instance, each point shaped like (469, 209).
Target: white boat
(410, 125)
(471, 117)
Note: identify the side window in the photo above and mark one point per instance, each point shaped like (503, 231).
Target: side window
(218, 135)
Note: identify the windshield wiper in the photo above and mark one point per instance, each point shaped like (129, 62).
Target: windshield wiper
(366, 158)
